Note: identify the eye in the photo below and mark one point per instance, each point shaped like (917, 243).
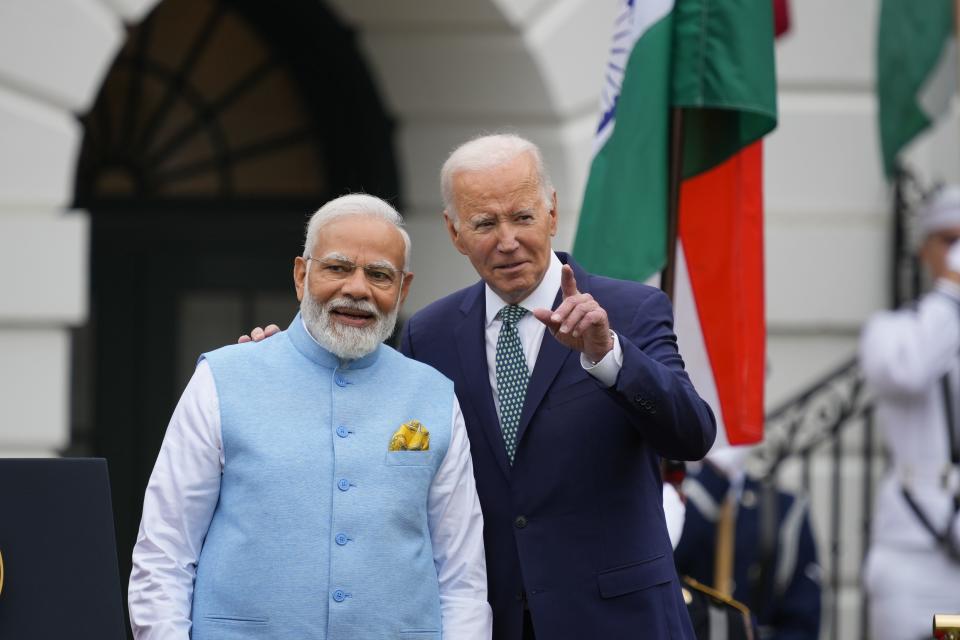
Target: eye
(483, 224)
(336, 268)
(379, 275)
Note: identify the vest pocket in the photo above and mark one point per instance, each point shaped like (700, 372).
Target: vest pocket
(409, 458)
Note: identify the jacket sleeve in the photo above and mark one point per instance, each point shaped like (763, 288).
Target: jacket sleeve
(656, 391)
(905, 352)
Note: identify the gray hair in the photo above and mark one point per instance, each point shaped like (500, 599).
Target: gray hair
(487, 152)
(356, 204)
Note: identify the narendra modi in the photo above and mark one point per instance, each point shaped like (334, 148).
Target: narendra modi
(281, 504)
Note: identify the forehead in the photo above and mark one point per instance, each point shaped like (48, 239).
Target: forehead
(512, 184)
(362, 238)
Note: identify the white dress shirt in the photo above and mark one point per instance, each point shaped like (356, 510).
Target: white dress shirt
(183, 492)
(531, 331)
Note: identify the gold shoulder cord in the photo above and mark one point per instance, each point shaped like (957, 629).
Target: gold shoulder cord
(946, 626)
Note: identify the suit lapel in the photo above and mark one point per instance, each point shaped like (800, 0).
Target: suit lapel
(551, 356)
(471, 347)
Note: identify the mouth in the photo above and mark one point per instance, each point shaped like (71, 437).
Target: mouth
(352, 317)
(510, 267)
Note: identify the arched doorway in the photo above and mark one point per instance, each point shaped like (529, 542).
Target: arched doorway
(220, 127)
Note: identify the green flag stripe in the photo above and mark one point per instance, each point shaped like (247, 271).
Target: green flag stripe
(911, 37)
(723, 75)
(622, 231)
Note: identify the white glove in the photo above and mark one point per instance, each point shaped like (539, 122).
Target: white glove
(730, 459)
(953, 257)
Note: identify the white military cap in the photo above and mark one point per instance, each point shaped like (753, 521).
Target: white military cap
(941, 211)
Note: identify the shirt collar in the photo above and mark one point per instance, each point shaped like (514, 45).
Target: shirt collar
(542, 297)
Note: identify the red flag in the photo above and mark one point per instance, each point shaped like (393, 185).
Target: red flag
(721, 249)
(781, 17)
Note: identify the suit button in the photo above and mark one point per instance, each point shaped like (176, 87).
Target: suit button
(340, 380)
(520, 522)
(638, 399)
(342, 431)
(339, 595)
(342, 539)
(343, 484)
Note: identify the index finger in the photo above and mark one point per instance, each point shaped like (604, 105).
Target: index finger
(568, 283)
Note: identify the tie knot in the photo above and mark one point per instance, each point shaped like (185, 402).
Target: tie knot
(511, 314)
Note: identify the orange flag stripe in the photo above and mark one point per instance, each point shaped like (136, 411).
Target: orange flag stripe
(721, 226)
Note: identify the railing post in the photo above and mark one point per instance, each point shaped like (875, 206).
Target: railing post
(867, 513)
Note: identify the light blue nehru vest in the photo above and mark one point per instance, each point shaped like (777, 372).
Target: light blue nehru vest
(320, 531)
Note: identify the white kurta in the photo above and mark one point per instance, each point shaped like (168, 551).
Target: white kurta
(904, 355)
(183, 492)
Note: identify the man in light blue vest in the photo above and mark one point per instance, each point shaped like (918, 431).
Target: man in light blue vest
(317, 484)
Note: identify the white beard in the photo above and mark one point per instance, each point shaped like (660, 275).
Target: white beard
(345, 342)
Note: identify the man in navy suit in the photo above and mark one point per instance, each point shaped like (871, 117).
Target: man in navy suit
(572, 389)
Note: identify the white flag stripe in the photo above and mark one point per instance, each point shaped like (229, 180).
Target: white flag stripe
(634, 19)
(692, 345)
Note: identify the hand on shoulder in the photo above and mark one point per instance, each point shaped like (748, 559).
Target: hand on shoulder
(259, 334)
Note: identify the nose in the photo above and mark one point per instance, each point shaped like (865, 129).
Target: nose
(355, 285)
(506, 238)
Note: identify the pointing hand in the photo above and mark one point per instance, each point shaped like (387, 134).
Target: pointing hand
(579, 323)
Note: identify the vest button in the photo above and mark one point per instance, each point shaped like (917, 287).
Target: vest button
(342, 539)
(343, 484)
(340, 380)
(342, 431)
(520, 522)
(339, 595)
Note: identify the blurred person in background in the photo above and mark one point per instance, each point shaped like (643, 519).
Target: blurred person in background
(911, 360)
(747, 539)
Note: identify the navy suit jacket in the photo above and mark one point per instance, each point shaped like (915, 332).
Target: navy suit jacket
(575, 528)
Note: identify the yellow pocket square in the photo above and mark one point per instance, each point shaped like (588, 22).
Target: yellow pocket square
(411, 436)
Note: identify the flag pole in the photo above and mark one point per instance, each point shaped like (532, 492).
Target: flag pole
(674, 178)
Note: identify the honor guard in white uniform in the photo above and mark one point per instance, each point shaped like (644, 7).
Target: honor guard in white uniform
(911, 361)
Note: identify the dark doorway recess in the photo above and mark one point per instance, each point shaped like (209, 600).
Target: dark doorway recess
(221, 126)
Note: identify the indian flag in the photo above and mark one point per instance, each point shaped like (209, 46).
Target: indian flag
(714, 59)
(916, 70)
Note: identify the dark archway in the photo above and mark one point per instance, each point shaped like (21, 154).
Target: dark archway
(221, 126)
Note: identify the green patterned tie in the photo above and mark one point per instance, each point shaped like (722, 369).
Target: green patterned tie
(512, 376)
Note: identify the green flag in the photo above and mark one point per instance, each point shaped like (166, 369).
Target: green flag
(712, 57)
(916, 70)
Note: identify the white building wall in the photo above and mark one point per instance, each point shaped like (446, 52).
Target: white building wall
(53, 57)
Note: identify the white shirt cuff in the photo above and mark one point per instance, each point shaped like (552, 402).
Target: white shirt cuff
(607, 370)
